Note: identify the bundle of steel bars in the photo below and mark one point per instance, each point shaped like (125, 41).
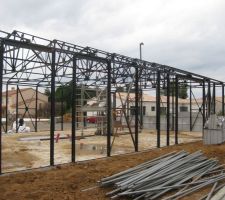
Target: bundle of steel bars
(169, 177)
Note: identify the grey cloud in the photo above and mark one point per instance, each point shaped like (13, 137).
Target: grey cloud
(187, 34)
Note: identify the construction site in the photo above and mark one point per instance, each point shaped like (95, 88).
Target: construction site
(74, 118)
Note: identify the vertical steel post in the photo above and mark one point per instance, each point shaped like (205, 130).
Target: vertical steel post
(173, 93)
(6, 105)
(209, 98)
(136, 105)
(36, 108)
(168, 111)
(190, 105)
(158, 109)
(223, 99)
(52, 125)
(109, 107)
(114, 109)
(74, 89)
(17, 105)
(1, 75)
(62, 109)
(141, 108)
(214, 98)
(176, 109)
(203, 102)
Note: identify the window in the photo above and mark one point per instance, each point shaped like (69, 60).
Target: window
(153, 108)
(183, 108)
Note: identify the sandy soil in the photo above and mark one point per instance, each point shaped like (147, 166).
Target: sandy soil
(20, 154)
(68, 181)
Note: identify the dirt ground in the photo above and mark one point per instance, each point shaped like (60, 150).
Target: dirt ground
(24, 151)
(66, 182)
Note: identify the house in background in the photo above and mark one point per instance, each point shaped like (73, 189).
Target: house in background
(26, 101)
(149, 104)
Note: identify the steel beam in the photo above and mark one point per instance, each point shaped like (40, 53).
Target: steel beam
(168, 111)
(141, 108)
(6, 106)
(73, 130)
(1, 74)
(176, 109)
(203, 103)
(223, 99)
(190, 105)
(109, 108)
(52, 125)
(209, 99)
(17, 107)
(214, 98)
(36, 108)
(136, 85)
(62, 108)
(158, 109)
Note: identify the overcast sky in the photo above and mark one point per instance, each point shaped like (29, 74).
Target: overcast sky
(187, 34)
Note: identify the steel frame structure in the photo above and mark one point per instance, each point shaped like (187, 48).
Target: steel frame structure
(28, 60)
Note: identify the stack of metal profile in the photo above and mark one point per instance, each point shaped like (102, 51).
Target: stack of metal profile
(169, 177)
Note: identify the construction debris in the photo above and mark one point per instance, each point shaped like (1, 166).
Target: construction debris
(170, 177)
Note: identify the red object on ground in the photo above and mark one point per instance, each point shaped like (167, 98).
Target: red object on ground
(57, 137)
(92, 119)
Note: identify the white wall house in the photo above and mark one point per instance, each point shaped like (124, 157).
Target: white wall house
(149, 103)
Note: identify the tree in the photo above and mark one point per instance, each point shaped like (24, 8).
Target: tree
(65, 92)
(182, 91)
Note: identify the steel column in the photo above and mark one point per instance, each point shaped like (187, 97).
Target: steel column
(114, 109)
(52, 125)
(141, 109)
(17, 105)
(214, 98)
(173, 93)
(73, 130)
(36, 108)
(223, 99)
(158, 109)
(136, 106)
(190, 105)
(62, 109)
(176, 109)
(168, 111)
(109, 107)
(209, 99)
(203, 103)
(6, 106)
(1, 74)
